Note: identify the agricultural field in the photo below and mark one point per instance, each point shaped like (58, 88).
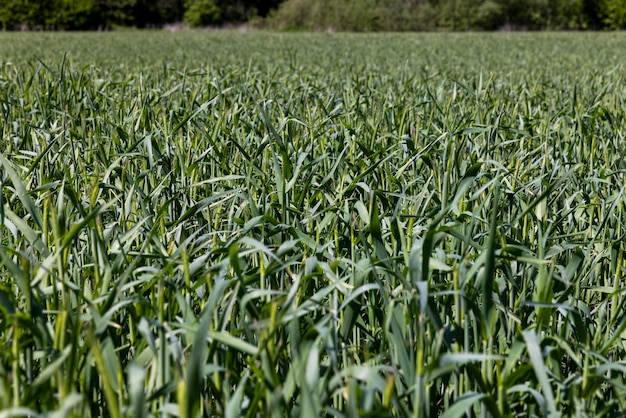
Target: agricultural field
(304, 225)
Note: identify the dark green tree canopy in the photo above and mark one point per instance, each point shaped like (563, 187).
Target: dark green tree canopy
(359, 15)
(105, 14)
(456, 15)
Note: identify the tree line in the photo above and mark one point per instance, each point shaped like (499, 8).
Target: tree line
(356, 15)
(452, 15)
(108, 14)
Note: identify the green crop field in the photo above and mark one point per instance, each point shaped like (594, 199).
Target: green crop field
(306, 225)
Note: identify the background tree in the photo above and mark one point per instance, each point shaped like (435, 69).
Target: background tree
(612, 13)
(202, 12)
(72, 14)
(449, 14)
(150, 13)
(16, 13)
(356, 15)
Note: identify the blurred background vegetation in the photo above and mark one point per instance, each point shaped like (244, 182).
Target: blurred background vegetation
(356, 15)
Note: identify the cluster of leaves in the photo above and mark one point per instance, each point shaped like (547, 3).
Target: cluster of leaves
(390, 225)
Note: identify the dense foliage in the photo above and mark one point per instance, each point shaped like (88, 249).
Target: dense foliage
(361, 15)
(384, 225)
(455, 15)
(105, 14)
